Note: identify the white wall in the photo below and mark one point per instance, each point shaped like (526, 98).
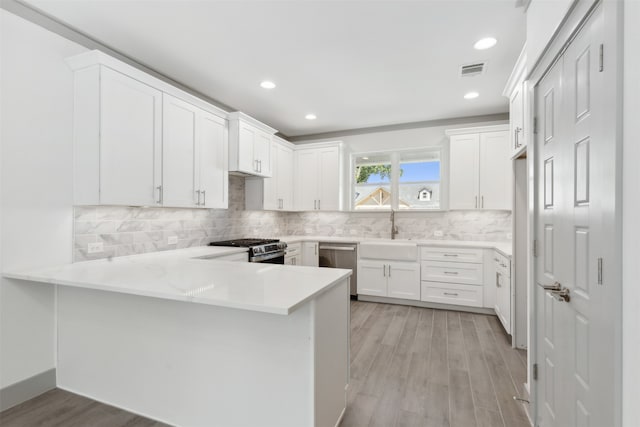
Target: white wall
(543, 19)
(404, 138)
(36, 194)
(631, 210)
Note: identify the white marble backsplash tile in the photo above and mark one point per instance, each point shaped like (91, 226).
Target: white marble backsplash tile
(132, 230)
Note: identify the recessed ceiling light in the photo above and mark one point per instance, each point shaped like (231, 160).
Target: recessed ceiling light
(267, 84)
(471, 95)
(365, 158)
(310, 116)
(485, 43)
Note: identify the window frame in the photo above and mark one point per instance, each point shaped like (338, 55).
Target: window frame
(395, 156)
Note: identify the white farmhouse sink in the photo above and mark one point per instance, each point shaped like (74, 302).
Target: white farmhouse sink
(390, 250)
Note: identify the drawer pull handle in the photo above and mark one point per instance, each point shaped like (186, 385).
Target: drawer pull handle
(450, 272)
(451, 294)
(451, 255)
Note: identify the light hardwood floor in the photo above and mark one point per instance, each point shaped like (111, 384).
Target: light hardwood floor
(409, 367)
(422, 367)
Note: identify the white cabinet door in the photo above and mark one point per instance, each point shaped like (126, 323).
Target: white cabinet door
(131, 137)
(213, 160)
(328, 179)
(503, 300)
(495, 171)
(284, 177)
(307, 180)
(246, 158)
(372, 279)
(269, 186)
(310, 254)
(262, 153)
(403, 280)
(179, 152)
(464, 171)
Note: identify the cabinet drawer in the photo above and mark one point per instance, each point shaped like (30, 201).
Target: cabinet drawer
(294, 249)
(447, 293)
(452, 254)
(452, 272)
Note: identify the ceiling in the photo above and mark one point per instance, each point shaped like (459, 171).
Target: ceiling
(352, 63)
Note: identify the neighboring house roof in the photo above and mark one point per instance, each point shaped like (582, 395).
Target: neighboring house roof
(371, 196)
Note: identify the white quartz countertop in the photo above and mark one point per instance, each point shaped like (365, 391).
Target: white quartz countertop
(503, 247)
(190, 275)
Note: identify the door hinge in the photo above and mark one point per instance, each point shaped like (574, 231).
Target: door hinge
(535, 125)
(599, 271)
(601, 58)
(535, 372)
(535, 249)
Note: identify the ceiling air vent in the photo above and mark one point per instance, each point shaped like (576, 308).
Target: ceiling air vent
(474, 69)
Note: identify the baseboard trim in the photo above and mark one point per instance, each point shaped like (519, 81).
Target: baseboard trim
(24, 390)
(479, 310)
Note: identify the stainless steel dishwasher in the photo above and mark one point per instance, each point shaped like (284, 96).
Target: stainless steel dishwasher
(341, 255)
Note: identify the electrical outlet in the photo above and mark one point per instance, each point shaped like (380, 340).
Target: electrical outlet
(438, 233)
(172, 240)
(95, 248)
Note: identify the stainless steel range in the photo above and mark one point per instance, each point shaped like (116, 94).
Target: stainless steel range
(270, 251)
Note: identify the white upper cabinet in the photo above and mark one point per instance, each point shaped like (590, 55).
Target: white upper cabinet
(249, 145)
(139, 141)
(480, 168)
(275, 193)
(179, 153)
(213, 160)
(516, 92)
(117, 139)
(318, 177)
(464, 170)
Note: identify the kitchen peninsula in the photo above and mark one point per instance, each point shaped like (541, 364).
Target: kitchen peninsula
(186, 339)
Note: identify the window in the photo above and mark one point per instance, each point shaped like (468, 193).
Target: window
(397, 180)
(372, 180)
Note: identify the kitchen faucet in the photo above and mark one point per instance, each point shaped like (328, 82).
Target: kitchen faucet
(394, 229)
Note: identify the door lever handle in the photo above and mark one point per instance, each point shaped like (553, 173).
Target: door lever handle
(554, 287)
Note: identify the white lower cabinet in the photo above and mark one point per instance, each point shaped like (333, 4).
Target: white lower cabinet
(293, 255)
(503, 290)
(391, 279)
(310, 253)
(452, 276)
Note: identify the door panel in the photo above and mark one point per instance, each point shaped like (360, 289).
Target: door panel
(131, 140)
(463, 172)
(179, 152)
(372, 278)
(329, 179)
(576, 337)
(213, 160)
(404, 280)
(495, 171)
(306, 179)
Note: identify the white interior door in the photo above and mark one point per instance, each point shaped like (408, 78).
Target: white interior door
(576, 347)
(179, 147)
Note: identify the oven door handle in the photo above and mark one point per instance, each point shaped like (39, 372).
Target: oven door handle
(266, 257)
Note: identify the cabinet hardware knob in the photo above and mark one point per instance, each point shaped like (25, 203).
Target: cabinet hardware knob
(159, 188)
(451, 293)
(204, 198)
